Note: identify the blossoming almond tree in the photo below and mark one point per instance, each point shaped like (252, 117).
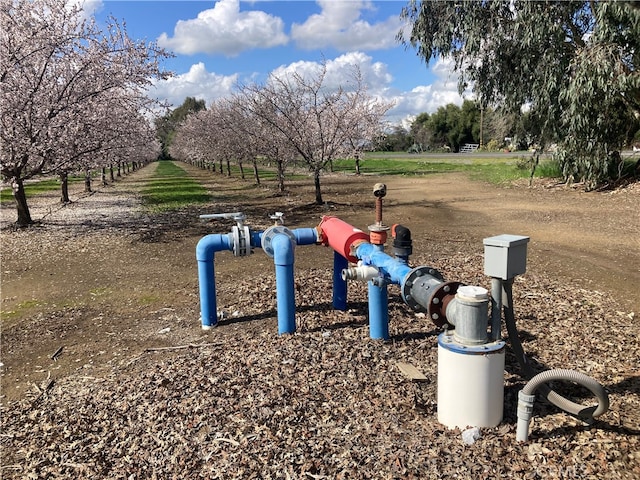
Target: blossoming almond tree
(319, 122)
(55, 67)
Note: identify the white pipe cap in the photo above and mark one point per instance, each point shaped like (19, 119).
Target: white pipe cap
(473, 292)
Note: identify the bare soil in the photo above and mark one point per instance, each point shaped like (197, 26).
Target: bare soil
(138, 390)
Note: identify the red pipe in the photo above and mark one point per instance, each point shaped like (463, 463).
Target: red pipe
(340, 236)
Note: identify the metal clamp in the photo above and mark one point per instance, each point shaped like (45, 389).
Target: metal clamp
(269, 234)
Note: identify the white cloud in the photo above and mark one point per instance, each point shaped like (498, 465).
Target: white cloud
(201, 84)
(197, 83)
(224, 29)
(427, 98)
(339, 25)
(88, 8)
(407, 104)
(340, 70)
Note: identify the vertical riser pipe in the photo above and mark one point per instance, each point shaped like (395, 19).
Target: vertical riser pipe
(205, 252)
(339, 285)
(208, 303)
(378, 311)
(285, 287)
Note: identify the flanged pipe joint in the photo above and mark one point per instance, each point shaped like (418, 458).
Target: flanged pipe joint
(424, 290)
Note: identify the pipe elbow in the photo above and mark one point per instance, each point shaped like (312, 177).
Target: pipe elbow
(282, 249)
(210, 244)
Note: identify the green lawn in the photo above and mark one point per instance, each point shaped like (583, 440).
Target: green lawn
(498, 169)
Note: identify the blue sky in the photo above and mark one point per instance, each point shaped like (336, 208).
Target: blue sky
(220, 43)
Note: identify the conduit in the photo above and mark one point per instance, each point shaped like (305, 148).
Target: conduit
(538, 382)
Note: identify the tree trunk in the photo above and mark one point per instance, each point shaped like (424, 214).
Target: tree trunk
(24, 216)
(64, 188)
(228, 167)
(103, 176)
(280, 164)
(220, 165)
(241, 170)
(357, 164)
(119, 168)
(534, 165)
(87, 180)
(256, 175)
(111, 170)
(316, 182)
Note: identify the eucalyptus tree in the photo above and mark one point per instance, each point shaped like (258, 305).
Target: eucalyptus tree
(167, 124)
(55, 64)
(574, 63)
(317, 121)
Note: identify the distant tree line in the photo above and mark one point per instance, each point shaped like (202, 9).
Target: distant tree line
(451, 127)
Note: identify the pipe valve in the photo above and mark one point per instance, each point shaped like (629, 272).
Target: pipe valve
(379, 190)
(378, 231)
(240, 233)
(278, 218)
(361, 272)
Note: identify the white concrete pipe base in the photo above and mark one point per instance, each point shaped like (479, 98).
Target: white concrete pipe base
(470, 383)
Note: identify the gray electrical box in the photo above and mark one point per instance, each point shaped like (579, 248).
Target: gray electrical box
(505, 256)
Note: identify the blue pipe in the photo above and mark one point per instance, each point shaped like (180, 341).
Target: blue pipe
(306, 236)
(285, 291)
(377, 293)
(339, 285)
(205, 250)
(378, 311)
(394, 270)
(303, 236)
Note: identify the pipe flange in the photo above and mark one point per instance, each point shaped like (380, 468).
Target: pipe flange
(413, 278)
(241, 241)
(269, 234)
(439, 300)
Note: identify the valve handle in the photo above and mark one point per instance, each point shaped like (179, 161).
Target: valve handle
(233, 215)
(239, 217)
(278, 217)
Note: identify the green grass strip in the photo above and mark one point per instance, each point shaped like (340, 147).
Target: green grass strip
(172, 188)
(494, 170)
(34, 188)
